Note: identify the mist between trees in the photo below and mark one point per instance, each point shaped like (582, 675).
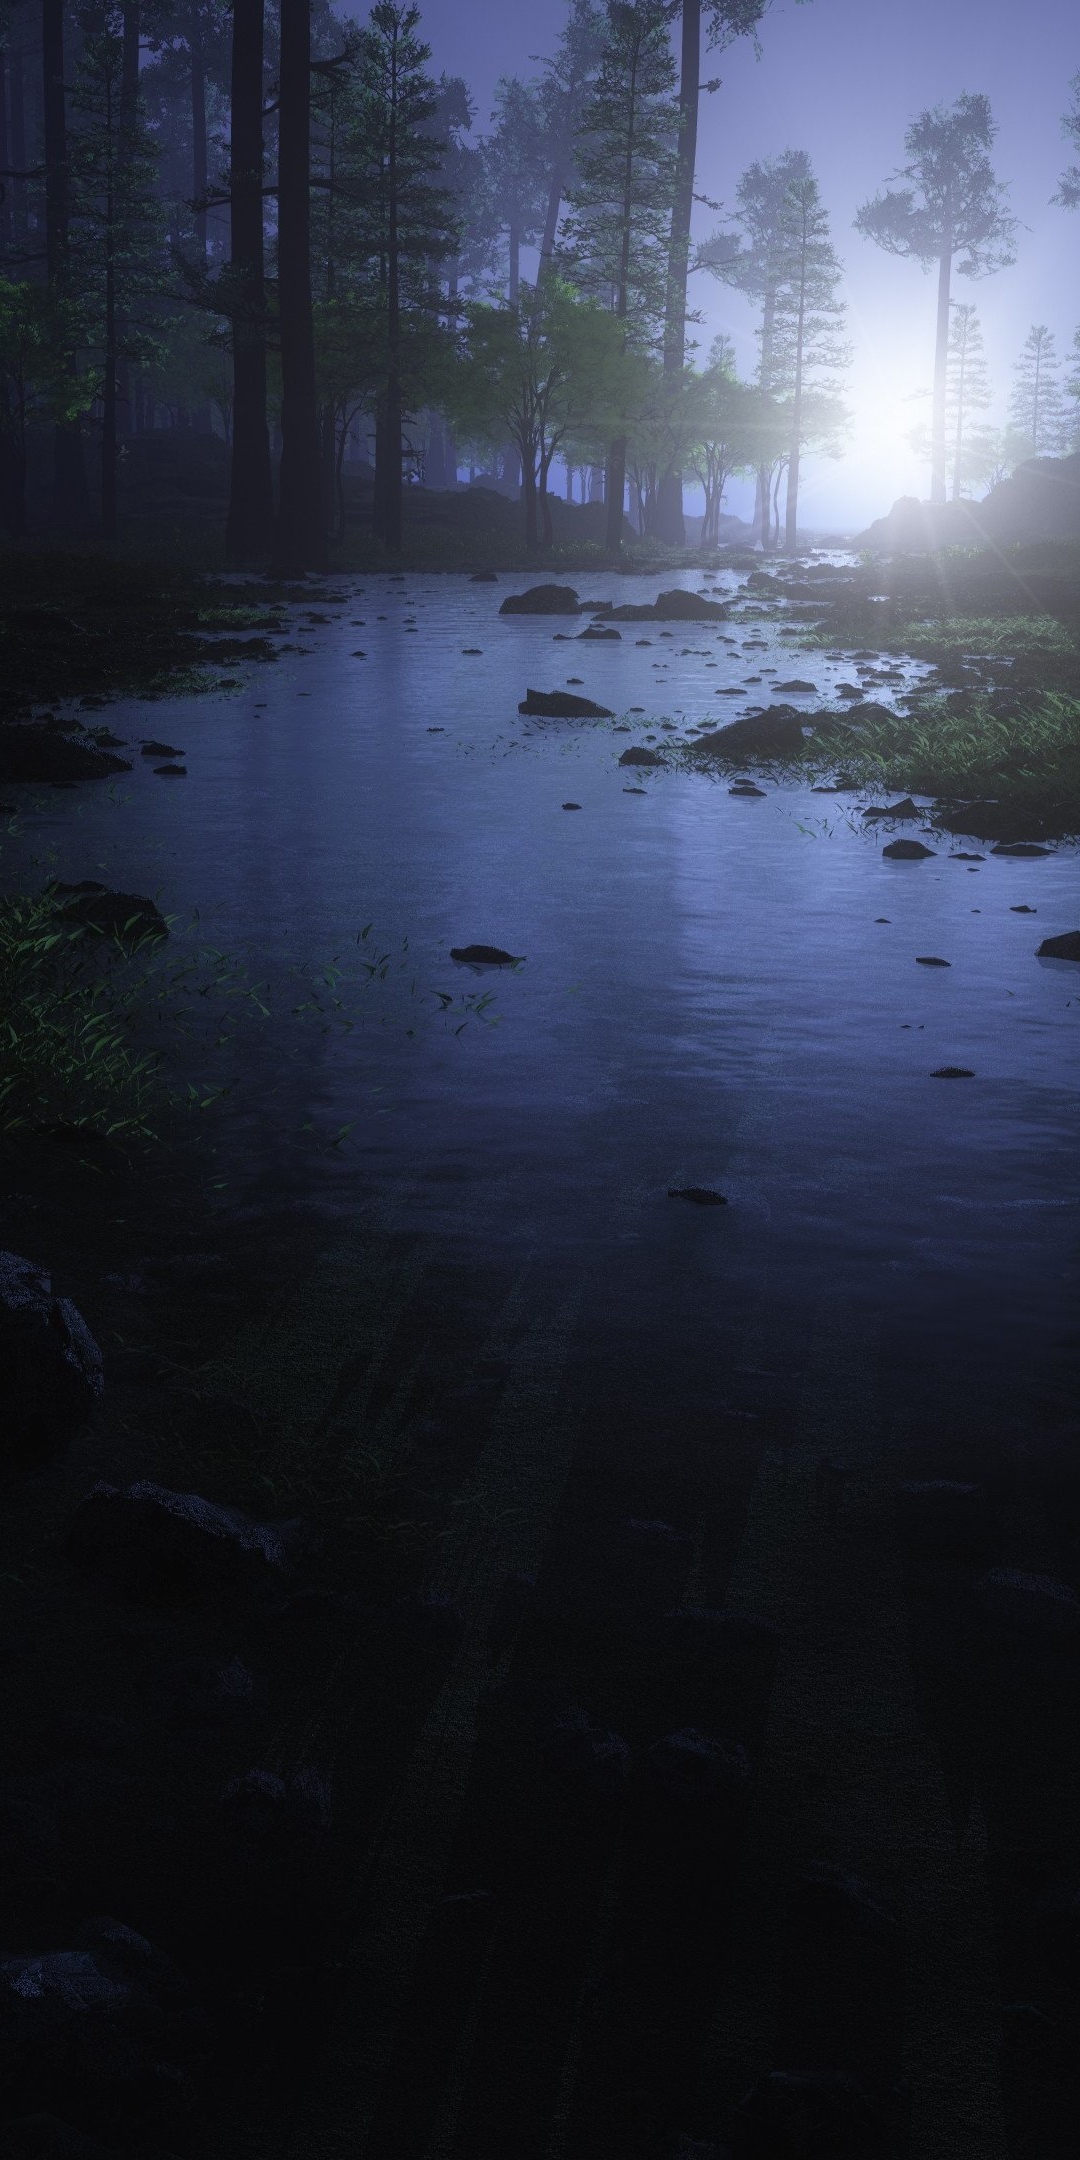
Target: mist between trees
(275, 229)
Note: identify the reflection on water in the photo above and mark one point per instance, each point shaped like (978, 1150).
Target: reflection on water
(708, 995)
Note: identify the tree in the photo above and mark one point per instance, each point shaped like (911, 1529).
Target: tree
(1072, 392)
(1068, 194)
(545, 372)
(805, 326)
(301, 533)
(564, 87)
(35, 383)
(721, 444)
(116, 253)
(754, 258)
(70, 500)
(515, 160)
(727, 20)
(251, 495)
(953, 207)
(1035, 406)
(620, 208)
(410, 221)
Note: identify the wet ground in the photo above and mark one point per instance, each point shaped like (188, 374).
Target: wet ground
(623, 1406)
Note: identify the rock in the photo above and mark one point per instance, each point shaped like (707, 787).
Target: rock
(1019, 847)
(571, 806)
(942, 1514)
(115, 914)
(952, 1072)
(149, 748)
(848, 690)
(691, 1766)
(843, 1903)
(38, 753)
(1023, 909)
(796, 685)
(679, 606)
(542, 600)
(1064, 947)
(906, 850)
(637, 756)
(787, 2116)
(1057, 1932)
(904, 809)
(774, 732)
(961, 855)
(595, 631)
(264, 1812)
(587, 1756)
(1037, 1606)
(485, 956)
(85, 2020)
(472, 652)
(651, 1535)
(208, 1691)
(484, 577)
(562, 705)
(431, 1621)
(51, 1376)
(746, 787)
(930, 960)
(161, 1545)
(171, 772)
(706, 1631)
(700, 1195)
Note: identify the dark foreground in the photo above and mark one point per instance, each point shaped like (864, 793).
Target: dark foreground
(471, 1907)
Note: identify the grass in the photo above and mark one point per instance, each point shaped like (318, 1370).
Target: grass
(101, 1038)
(1028, 757)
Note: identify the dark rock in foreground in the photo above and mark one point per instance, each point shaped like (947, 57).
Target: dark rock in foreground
(542, 600)
(50, 1365)
(792, 2117)
(906, 850)
(161, 1545)
(116, 914)
(776, 732)
(701, 1195)
(40, 754)
(485, 956)
(1065, 947)
(561, 705)
(638, 756)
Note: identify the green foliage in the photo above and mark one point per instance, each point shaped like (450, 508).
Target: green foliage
(615, 242)
(1068, 192)
(1036, 406)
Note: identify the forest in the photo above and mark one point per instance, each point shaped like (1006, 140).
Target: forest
(539, 1364)
(276, 250)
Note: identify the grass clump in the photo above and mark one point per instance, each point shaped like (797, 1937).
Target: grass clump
(69, 1060)
(1028, 757)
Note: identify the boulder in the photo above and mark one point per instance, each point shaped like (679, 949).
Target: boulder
(542, 600)
(40, 754)
(587, 1757)
(776, 732)
(159, 1545)
(691, 1766)
(1019, 847)
(699, 1195)
(597, 631)
(90, 2020)
(906, 850)
(788, 2116)
(114, 914)
(796, 685)
(561, 705)
(637, 756)
(264, 1812)
(679, 606)
(51, 1376)
(980, 820)
(1064, 947)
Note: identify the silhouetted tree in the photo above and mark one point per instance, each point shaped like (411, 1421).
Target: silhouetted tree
(564, 88)
(806, 324)
(70, 499)
(953, 207)
(754, 259)
(516, 161)
(620, 208)
(1035, 406)
(301, 533)
(1068, 193)
(251, 498)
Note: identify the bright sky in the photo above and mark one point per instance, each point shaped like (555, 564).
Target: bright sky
(842, 79)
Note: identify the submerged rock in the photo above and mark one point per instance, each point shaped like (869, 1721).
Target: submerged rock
(485, 956)
(542, 600)
(638, 756)
(1064, 947)
(38, 753)
(117, 914)
(906, 850)
(700, 1195)
(159, 1544)
(1019, 847)
(561, 705)
(51, 1376)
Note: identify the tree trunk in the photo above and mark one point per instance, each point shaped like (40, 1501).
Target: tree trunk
(669, 507)
(958, 446)
(762, 512)
(108, 394)
(551, 215)
(941, 357)
(251, 492)
(528, 491)
(198, 131)
(616, 490)
(70, 500)
(129, 99)
(301, 534)
(515, 266)
(792, 520)
(18, 143)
